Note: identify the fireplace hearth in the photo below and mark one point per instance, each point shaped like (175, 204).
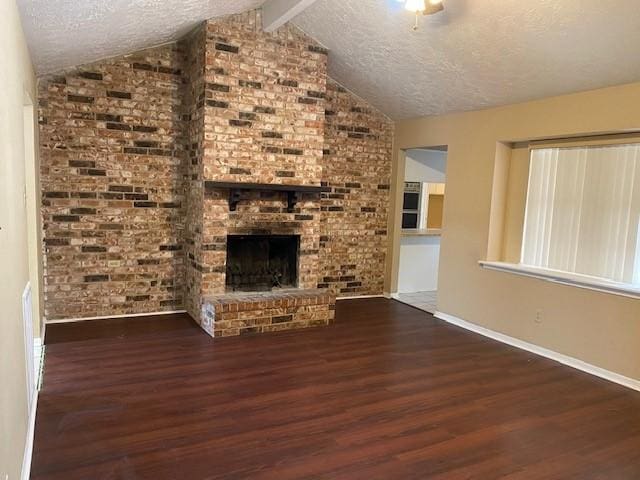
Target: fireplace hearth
(257, 263)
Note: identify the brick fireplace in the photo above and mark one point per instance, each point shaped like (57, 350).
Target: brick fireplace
(258, 113)
(155, 164)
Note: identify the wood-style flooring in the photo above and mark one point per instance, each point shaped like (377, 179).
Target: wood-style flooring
(387, 392)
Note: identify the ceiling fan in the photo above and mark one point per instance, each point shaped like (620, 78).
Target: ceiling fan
(426, 7)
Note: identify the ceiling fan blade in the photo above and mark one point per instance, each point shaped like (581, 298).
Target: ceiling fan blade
(430, 8)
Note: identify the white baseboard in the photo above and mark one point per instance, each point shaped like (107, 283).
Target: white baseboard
(543, 352)
(105, 317)
(358, 297)
(42, 332)
(28, 447)
(38, 360)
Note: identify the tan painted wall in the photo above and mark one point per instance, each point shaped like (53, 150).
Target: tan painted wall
(599, 328)
(34, 223)
(16, 80)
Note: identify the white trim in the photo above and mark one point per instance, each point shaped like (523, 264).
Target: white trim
(543, 352)
(29, 340)
(636, 260)
(356, 297)
(38, 360)
(106, 317)
(565, 278)
(28, 447)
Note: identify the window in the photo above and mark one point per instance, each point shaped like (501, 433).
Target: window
(583, 212)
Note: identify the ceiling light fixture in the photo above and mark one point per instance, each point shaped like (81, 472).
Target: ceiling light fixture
(426, 7)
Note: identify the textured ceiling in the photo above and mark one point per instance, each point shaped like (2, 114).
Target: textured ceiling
(66, 33)
(476, 54)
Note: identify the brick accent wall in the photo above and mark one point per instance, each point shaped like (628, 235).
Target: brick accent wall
(127, 144)
(194, 47)
(112, 186)
(357, 168)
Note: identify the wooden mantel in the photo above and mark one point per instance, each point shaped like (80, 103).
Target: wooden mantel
(293, 191)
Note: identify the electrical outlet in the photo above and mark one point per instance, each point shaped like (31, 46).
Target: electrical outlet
(539, 316)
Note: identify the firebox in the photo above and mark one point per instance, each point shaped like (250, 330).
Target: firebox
(262, 262)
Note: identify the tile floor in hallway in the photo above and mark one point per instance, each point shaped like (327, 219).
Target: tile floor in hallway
(423, 300)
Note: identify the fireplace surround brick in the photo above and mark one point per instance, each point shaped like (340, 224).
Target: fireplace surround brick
(254, 129)
(126, 146)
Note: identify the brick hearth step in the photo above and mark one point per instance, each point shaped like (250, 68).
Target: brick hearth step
(242, 313)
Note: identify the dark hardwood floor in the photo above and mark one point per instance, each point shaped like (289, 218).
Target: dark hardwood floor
(387, 392)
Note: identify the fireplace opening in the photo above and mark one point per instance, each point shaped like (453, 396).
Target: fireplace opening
(262, 262)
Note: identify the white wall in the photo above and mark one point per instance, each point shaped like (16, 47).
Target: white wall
(17, 84)
(419, 256)
(425, 166)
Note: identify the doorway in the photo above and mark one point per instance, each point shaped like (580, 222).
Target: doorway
(422, 225)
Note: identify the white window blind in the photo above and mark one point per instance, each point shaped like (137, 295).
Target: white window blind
(583, 211)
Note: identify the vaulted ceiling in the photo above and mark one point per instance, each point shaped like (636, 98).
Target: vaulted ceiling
(476, 54)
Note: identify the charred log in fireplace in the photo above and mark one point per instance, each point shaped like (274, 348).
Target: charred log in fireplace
(262, 262)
